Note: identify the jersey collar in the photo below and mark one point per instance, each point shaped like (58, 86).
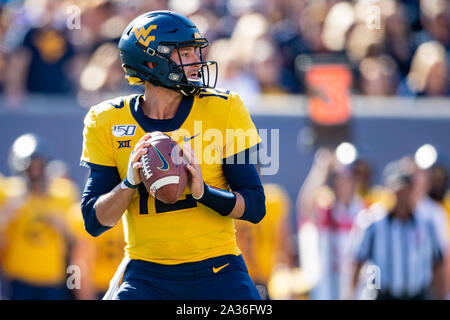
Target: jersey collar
(164, 125)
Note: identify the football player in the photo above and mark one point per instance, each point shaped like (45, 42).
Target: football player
(98, 258)
(265, 246)
(36, 234)
(185, 250)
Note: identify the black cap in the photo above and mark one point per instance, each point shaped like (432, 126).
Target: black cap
(398, 174)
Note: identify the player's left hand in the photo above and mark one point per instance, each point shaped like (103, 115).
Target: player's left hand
(195, 181)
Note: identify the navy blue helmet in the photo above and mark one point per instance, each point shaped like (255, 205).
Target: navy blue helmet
(152, 37)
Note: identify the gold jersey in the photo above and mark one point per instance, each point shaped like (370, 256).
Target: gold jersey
(261, 243)
(105, 251)
(37, 237)
(217, 126)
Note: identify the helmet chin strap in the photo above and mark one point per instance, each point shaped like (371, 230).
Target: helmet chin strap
(193, 91)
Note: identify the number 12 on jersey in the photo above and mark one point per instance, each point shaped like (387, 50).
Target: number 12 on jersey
(161, 207)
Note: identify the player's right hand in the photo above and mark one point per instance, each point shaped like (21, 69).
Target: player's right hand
(134, 163)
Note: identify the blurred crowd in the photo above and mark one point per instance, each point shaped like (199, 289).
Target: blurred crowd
(45, 253)
(358, 240)
(393, 47)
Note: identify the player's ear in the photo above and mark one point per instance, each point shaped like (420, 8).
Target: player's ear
(151, 65)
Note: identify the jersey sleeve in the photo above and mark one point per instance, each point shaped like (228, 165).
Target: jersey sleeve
(97, 143)
(241, 133)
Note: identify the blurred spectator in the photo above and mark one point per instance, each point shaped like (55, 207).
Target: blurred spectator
(212, 24)
(363, 42)
(336, 25)
(10, 188)
(428, 75)
(401, 245)
(265, 246)
(431, 185)
(102, 73)
(332, 210)
(363, 174)
(232, 73)
(98, 257)
(36, 233)
(379, 76)
(439, 186)
(310, 20)
(249, 28)
(3, 57)
(439, 181)
(397, 40)
(428, 207)
(435, 19)
(40, 56)
(366, 189)
(266, 66)
(99, 23)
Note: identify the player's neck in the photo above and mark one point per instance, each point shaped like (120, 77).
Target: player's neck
(160, 102)
(37, 188)
(402, 213)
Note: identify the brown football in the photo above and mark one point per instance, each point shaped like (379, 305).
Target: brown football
(164, 172)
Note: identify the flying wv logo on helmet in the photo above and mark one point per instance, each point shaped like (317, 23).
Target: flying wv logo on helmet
(142, 34)
(147, 47)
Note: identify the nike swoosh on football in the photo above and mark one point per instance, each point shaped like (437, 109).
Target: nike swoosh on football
(215, 270)
(165, 164)
(188, 139)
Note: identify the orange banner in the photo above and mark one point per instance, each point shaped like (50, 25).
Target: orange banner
(329, 89)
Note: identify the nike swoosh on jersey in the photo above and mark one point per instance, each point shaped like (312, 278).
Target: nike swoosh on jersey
(188, 139)
(215, 270)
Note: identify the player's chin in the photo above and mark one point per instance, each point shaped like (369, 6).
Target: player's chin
(195, 81)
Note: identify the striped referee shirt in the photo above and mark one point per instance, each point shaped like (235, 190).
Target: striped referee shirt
(404, 251)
